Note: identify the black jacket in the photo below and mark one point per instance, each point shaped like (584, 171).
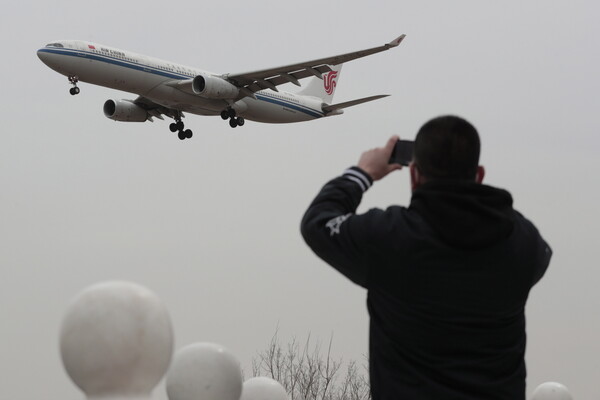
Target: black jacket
(447, 278)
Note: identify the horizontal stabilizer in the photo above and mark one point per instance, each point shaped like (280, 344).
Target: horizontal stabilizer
(339, 106)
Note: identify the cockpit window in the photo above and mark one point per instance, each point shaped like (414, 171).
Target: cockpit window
(54, 45)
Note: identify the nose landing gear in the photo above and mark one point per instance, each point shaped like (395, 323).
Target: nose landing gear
(229, 113)
(73, 80)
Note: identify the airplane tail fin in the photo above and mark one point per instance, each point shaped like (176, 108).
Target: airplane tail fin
(323, 88)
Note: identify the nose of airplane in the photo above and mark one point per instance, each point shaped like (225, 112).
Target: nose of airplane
(51, 60)
(42, 55)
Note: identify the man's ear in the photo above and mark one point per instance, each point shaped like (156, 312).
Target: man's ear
(415, 177)
(479, 174)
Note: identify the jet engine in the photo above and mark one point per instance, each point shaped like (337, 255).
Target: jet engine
(124, 110)
(213, 87)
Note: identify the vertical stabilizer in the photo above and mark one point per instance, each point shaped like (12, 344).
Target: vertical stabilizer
(323, 88)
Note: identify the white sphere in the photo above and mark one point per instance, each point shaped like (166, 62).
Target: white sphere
(551, 391)
(204, 371)
(263, 388)
(116, 340)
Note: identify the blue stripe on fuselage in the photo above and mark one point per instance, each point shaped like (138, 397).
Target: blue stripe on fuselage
(153, 70)
(116, 61)
(306, 110)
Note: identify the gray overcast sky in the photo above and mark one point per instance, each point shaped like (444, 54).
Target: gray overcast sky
(211, 224)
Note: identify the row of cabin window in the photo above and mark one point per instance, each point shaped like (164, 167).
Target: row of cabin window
(116, 55)
(180, 70)
(188, 72)
(284, 97)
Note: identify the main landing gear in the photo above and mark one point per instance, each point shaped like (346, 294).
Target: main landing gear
(229, 113)
(178, 126)
(73, 80)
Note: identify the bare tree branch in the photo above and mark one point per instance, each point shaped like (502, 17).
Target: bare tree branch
(307, 374)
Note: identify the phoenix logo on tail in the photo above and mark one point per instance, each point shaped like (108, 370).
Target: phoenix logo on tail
(329, 81)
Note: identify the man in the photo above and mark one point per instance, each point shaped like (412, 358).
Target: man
(447, 278)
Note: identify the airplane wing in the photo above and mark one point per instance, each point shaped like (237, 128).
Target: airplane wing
(155, 110)
(250, 82)
(334, 107)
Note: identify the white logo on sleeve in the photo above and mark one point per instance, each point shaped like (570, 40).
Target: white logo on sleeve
(335, 223)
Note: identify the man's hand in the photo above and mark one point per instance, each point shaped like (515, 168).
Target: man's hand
(375, 161)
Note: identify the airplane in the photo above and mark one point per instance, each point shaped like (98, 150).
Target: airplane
(170, 89)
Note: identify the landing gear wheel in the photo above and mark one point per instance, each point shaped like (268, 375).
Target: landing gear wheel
(188, 133)
(233, 122)
(181, 135)
(228, 113)
(180, 125)
(173, 127)
(73, 81)
(240, 121)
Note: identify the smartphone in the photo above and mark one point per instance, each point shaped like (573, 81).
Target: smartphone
(402, 153)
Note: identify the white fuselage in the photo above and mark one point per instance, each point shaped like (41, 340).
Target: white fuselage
(151, 77)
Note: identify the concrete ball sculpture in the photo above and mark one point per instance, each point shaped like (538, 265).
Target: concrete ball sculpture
(204, 371)
(263, 388)
(116, 341)
(551, 391)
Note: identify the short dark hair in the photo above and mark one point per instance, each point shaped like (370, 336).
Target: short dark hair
(447, 147)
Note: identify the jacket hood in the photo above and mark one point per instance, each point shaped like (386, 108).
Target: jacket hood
(467, 215)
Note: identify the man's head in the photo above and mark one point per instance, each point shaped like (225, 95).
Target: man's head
(446, 148)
